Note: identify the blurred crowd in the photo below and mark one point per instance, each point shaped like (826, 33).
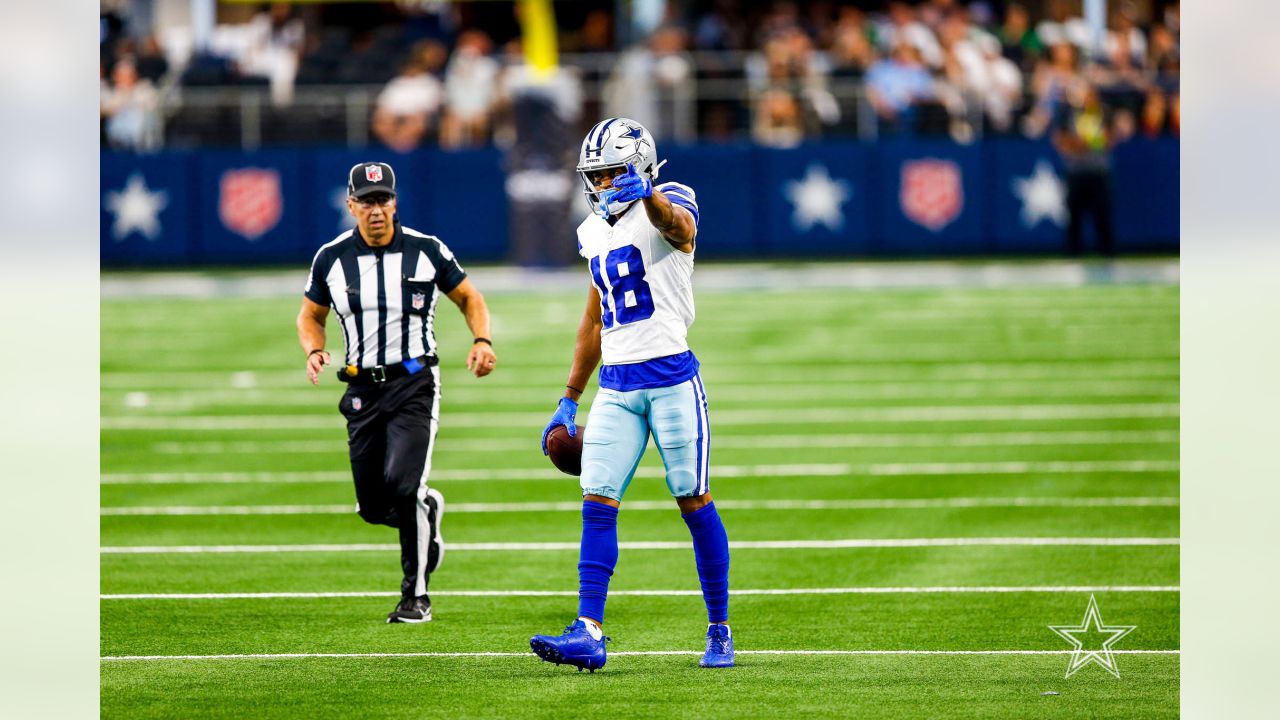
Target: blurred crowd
(779, 72)
(944, 67)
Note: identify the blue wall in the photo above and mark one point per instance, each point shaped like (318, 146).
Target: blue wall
(850, 200)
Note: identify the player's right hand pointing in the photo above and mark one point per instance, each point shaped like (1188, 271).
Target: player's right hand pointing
(315, 363)
(566, 415)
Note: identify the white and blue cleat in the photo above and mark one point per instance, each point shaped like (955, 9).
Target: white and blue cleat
(576, 646)
(719, 647)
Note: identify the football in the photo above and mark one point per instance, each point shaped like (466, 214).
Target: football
(566, 452)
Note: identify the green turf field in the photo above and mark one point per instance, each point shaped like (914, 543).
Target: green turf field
(917, 484)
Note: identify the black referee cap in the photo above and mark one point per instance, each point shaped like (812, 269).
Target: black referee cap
(368, 178)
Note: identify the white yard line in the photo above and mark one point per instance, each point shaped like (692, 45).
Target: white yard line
(663, 545)
(822, 394)
(1019, 468)
(872, 590)
(720, 471)
(724, 441)
(721, 373)
(668, 506)
(624, 653)
(506, 474)
(944, 413)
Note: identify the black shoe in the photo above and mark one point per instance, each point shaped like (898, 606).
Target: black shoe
(435, 514)
(412, 610)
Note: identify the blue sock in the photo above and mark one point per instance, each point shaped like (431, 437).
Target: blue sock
(596, 558)
(711, 552)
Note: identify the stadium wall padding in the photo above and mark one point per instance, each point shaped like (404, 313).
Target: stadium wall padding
(899, 198)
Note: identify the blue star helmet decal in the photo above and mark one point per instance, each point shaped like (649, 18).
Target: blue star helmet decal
(634, 133)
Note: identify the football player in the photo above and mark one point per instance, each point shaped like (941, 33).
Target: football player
(639, 245)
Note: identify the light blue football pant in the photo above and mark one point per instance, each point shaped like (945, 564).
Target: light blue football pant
(618, 430)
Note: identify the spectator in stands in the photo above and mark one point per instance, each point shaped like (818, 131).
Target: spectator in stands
(1173, 18)
(408, 104)
(1160, 111)
(1062, 26)
(789, 62)
(275, 40)
(129, 108)
(903, 27)
(778, 121)
(851, 52)
(152, 64)
(1054, 78)
(817, 23)
(934, 14)
(1020, 42)
(1119, 77)
(1002, 95)
(896, 85)
(1164, 61)
(650, 83)
(1124, 28)
(976, 71)
(721, 29)
(597, 32)
(782, 18)
(470, 83)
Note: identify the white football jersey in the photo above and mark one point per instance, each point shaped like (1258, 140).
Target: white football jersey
(645, 284)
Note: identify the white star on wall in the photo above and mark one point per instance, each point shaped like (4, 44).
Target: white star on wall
(817, 199)
(1043, 196)
(136, 209)
(338, 198)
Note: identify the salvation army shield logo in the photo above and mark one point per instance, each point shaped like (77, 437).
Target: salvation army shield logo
(419, 301)
(932, 192)
(250, 201)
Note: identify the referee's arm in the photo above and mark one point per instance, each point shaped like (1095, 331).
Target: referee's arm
(311, 337)
(481, 360)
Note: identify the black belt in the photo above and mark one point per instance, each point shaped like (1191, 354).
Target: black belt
(383, 373)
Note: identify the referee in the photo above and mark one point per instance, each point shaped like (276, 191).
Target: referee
(383, 280)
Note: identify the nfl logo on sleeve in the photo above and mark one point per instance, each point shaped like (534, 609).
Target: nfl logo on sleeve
(356, 404)
(419, 301)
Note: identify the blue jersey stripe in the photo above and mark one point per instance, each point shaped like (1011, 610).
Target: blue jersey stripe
(682, 202)
(664, 187)
(682, 192)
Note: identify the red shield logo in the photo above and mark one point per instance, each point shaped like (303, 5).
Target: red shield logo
(250, 202)
(373, 173)
(932, 192)
(356, 404)
(419, 301)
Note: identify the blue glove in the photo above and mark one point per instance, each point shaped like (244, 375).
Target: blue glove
(629, 186)
(565, 414)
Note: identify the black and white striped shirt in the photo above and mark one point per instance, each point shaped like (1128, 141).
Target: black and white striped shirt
(385, 297)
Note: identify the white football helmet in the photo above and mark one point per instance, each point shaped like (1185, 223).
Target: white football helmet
(610, 145)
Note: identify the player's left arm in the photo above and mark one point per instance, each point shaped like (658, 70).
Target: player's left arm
(481, 360)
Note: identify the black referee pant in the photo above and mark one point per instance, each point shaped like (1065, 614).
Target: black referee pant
(391, 428)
